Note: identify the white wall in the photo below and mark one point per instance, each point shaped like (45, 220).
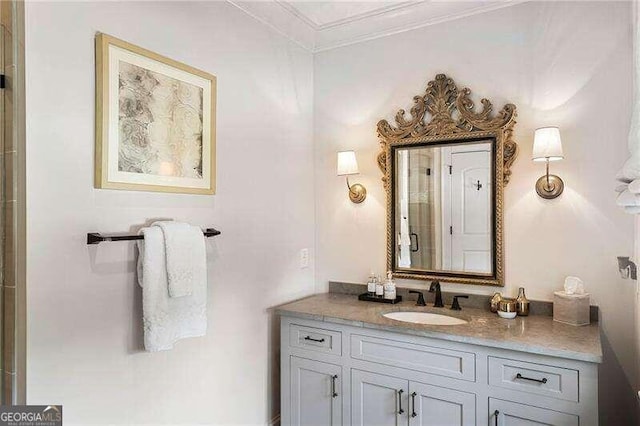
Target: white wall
(565, 64)
(84, 324)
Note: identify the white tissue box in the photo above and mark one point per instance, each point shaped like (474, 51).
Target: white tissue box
(571, 309)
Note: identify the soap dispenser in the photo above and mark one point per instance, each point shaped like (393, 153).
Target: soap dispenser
(390, 287)
(379, 289)
(371, 284)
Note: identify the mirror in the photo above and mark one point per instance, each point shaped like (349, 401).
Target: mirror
(444, 173)
(443, 208)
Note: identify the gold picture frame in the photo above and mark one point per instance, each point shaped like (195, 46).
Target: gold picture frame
(445, 114)
(155, 121)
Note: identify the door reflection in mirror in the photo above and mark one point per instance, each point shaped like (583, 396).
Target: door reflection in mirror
(443, 207)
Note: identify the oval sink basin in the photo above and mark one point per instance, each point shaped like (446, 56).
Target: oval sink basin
(424, 318)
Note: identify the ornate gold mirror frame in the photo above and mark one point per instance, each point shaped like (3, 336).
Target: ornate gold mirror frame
(451, 117)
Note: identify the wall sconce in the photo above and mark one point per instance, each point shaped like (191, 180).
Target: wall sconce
(547, 146)
(627, 268)
(347, 165)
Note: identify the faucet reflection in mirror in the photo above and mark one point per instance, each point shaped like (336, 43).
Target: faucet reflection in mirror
(547, 146)
(348, 165)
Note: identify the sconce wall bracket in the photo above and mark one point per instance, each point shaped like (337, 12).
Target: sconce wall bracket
(357, 193)
(549, 186)
(348, 165)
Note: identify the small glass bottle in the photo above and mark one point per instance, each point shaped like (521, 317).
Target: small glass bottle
(379, 288)
(371, 284)
(522, 303)
(390, 287)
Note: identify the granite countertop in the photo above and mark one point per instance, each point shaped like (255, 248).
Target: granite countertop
(536, 334)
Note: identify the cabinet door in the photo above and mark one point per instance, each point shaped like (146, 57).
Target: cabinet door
(378, 400)
(316, 394)
(505, 413)
(437, 406)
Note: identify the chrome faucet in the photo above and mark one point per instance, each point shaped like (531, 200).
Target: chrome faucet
(435, 286)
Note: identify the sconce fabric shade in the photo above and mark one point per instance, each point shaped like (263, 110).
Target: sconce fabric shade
(547, 144)
(347, 164)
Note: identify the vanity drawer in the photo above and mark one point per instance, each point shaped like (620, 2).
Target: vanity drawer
(540, 379)
(315, 339)
(427, 359)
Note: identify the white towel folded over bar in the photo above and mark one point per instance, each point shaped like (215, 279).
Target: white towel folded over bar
(186, 254)
(168, 319)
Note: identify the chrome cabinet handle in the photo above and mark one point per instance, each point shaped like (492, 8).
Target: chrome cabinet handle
(314, 340)
(521, 377)
(333, 386)
(413, 404)
(495, 414)
(400, 410)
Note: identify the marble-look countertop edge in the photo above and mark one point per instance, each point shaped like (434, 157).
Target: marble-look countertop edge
(515, 346)
(594, 357)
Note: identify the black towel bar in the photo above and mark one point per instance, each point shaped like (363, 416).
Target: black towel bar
(96, 238)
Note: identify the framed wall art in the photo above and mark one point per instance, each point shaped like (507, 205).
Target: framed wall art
(155, 121)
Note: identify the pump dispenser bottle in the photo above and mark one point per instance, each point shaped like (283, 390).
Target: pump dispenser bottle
(371, 284)
(390, 287)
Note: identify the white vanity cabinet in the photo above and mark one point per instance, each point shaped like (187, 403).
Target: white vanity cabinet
(435, 405)
(507, 413)
(316, 396)
(339, 374)
(378, 399)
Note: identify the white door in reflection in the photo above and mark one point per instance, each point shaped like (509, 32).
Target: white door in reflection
(471, 217)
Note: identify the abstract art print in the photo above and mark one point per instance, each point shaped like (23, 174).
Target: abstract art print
(155, 121)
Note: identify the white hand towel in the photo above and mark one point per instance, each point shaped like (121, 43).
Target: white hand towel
(628, 199)
(185, 249)
(168, 319)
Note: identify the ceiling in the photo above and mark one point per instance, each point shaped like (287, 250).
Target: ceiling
(325, 14)
(323, 25)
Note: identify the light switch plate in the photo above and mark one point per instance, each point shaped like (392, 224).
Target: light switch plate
(304, 258)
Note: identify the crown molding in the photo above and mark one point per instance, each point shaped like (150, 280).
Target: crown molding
(284, 18)
(295, 12)
(380, 11)
(281, 20)
(410, 17)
